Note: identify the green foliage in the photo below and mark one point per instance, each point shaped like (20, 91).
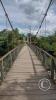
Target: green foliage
(9, 40)
(47, 43)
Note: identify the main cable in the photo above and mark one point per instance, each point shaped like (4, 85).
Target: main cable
(6, 14)
(44, 16)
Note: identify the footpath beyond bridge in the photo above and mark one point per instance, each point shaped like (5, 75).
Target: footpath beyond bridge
(21, 82)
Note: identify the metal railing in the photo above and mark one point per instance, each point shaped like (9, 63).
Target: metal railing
(47, 60)
(7, 60)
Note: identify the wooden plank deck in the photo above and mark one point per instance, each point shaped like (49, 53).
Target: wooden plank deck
(21, 82)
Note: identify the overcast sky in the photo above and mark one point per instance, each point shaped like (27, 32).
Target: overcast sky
(26, 13)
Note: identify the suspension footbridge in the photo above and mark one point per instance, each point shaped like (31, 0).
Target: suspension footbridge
(26, 70)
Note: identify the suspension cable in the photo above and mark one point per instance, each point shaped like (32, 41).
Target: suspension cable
(6, 14)
(44, 16)
(45, 26)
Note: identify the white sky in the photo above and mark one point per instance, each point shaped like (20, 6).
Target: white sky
(26, 13)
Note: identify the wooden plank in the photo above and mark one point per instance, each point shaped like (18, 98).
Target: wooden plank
(22, 80)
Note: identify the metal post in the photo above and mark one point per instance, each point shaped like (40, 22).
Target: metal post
(2, 71)
(52, 69)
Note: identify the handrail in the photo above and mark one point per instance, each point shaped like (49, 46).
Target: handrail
(7, 53)
(7, 60)
(47, 60)
(46, 52)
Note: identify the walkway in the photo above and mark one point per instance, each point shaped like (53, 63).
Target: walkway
(22, 80)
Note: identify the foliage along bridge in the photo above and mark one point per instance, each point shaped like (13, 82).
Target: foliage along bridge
(25, 67)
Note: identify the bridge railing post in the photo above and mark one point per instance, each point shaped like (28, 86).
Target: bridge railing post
(11, 59)
(43, 61)
(52, 69)
(2, 70)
